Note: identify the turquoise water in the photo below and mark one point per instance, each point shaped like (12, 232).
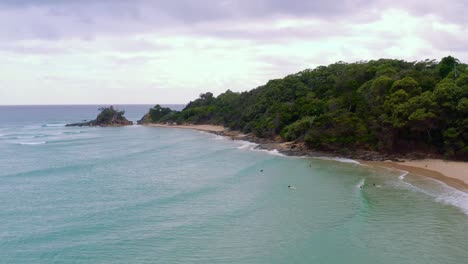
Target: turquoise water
(159, 195)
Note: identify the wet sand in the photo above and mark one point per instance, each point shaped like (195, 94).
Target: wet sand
(453, 173)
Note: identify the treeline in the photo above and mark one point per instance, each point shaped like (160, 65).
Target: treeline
(383, 105)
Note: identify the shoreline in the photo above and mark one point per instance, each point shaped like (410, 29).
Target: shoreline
(448, 172)
(206, 128)
(452, 173)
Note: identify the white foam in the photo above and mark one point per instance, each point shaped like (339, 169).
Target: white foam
(402, 176)
(247, 145)
(30, 136)
(344, 160)
(456, 198)
(55, 125)
(217, 137)
(32, 143)
(444, 194)
(274, 152)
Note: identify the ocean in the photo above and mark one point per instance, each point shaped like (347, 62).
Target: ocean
(162, 195)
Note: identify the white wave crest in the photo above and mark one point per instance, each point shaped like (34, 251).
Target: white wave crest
(455, 198)
(33, 143)
(30, 136)
(247, 145)
(444, 194)
(344, 160)
(54, 125)
(274, 152)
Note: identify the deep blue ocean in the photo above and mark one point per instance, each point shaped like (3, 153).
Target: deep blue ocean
(163, 195)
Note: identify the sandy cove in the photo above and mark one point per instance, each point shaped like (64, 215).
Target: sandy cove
(453, 173)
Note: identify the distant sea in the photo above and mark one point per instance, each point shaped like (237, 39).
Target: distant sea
(162, 195)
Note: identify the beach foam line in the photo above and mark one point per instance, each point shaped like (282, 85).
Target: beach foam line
(344, 160)
(446, 195)
(274, 152)
(402, 176)
(33, 143)
(247, 145)
(455, 198)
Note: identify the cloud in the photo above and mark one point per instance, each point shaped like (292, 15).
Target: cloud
(157, 51)
(51, 19)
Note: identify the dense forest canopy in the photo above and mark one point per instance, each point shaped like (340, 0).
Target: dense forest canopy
(383, 105)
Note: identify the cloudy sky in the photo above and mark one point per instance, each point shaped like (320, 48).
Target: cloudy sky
(159, 51)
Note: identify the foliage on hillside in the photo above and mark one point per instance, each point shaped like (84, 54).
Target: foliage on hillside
(383, 105)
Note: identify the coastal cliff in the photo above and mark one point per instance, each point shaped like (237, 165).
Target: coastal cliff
(109, 116)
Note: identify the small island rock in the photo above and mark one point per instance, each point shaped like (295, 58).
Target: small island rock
(109, 116)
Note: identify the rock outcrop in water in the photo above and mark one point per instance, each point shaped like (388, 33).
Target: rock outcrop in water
(108, 117)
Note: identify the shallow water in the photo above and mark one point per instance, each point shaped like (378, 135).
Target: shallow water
(158, 195)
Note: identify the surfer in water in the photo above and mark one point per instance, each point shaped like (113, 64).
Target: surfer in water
(291, 187)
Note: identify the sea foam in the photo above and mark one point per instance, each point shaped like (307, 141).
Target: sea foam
(247, 145)
(54, 125)
(402, 176)
(444, 194)
(274, 152)
(344, 160)
(33, 143)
